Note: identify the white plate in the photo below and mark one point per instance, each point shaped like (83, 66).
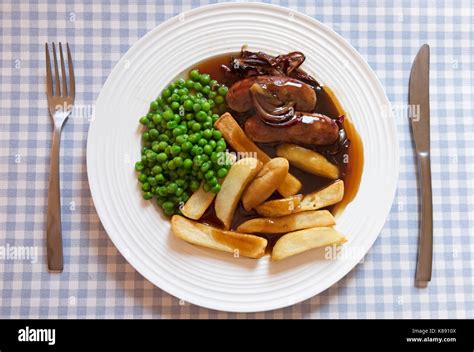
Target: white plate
(206, 277)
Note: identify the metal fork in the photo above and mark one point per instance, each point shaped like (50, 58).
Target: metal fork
(60, 102)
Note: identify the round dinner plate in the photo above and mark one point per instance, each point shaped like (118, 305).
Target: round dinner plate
(139, 230)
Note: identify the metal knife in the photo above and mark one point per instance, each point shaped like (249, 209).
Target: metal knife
(419, 114)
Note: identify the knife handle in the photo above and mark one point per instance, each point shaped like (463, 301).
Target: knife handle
(425, 245)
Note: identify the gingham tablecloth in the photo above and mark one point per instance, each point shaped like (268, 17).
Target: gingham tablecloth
(99, 283)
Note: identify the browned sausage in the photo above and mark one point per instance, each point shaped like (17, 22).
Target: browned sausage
(313, 128)
(286, 89)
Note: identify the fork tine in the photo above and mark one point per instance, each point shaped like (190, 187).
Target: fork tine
(72, 83)
(49, 78)
(63, 72)
(57, 90)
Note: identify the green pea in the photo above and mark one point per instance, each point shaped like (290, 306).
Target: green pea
(154, 133)
(197, 87)
(166, 93)
(212, 181)
(161, 157)
(222, 108)
(162, 191)
(145, 136)
(180, 139)
(212, 95)
(201, 116)
(202, 142)
(178, 161)
(175, 106)
(186, 146)
(162, 145)
(171, 165)
(194, 185)
(179, 191)
(206, 187)
(168, 115)
(216, 135)
(216, 188)
(195, 75)
(206, 90)
(197, 161)
(222, 172)
(142, 178)
(209, 174)
(163, 137)
(182, 92)
(147, 195)
(160, 178)
(139, 166)
(196, 107)
(207, 133)
(196, 127)
(175, 97)
(178, 131)
(219, 99)
(171, 124)
(157, 118)
(152, 181)
(205, 166)
(189, 83)
(187, 163)
(205, 106)
(175, 149)
(194, 138)
(188, 105)
(207, 149)
(189, 116)
(205, 78)
(171, 188)
(146, 187)
(153, 105)
(156, 170)
(222, 90)
(168, 212)
(144, 120)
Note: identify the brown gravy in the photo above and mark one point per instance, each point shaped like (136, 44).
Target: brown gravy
(351, 167)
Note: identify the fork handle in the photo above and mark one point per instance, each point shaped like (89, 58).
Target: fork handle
(53, 232)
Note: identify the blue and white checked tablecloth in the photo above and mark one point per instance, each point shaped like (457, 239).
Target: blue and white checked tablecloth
(99, 283)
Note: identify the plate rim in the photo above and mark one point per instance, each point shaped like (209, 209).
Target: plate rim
(306, 294)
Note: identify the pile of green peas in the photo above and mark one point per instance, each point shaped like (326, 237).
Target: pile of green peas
(181, 148)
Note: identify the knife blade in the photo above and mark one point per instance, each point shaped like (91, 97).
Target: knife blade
(419, 114)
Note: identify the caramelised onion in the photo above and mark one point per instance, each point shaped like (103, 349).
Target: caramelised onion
(259, 63)
(273, 115)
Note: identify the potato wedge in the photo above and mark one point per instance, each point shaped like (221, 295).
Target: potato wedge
(211, 237)
(308, 160)
(236, 137)
(279, 207)
(239, 176)
(288, 223)
(198, 203)
(303, 240)
(265, 183)
(327, 196)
